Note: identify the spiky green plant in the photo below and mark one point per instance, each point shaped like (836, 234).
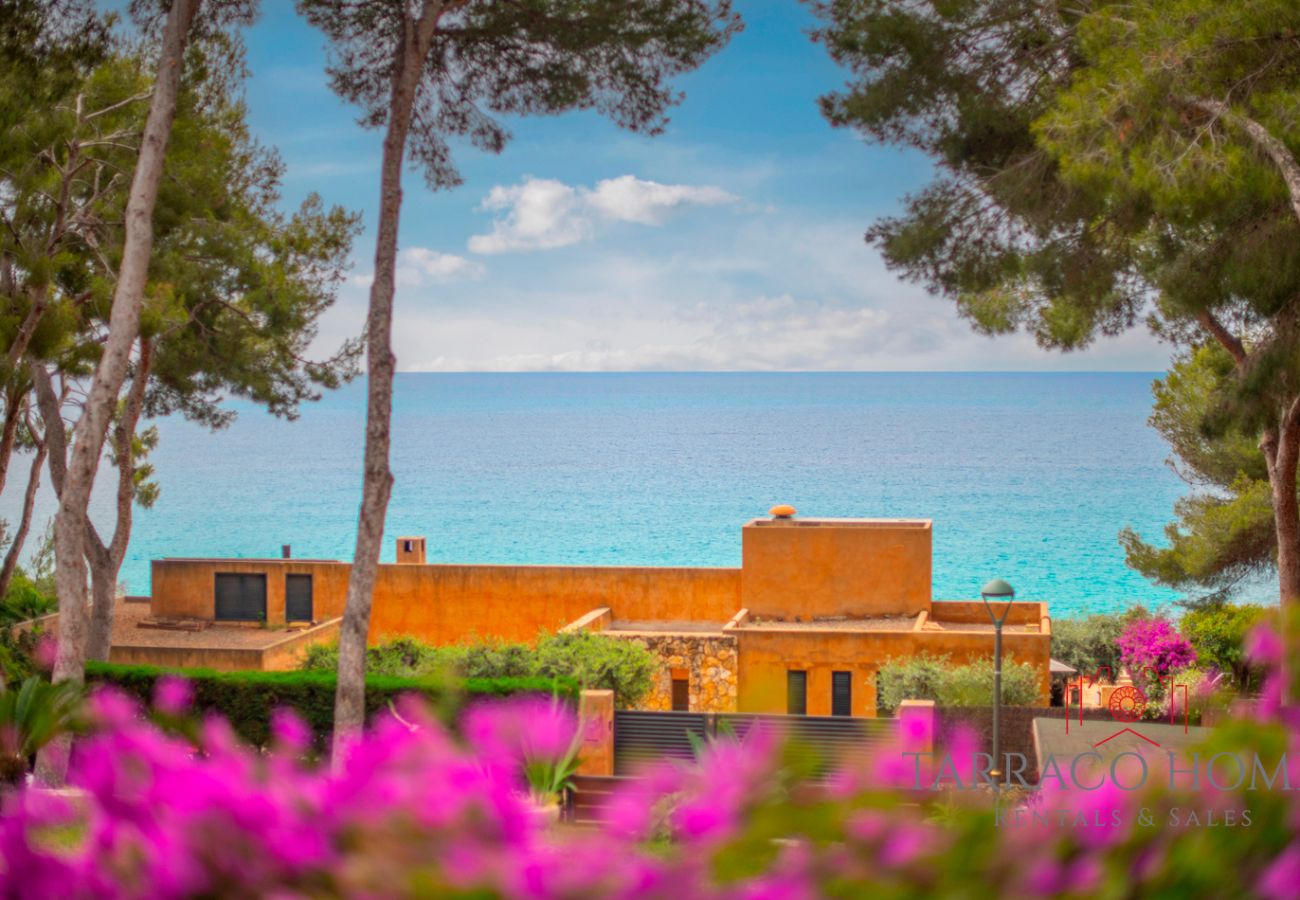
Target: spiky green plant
(32, 716)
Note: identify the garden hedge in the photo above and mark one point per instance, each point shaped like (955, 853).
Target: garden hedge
(246, 699)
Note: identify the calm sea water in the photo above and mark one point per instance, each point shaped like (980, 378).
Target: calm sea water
(1026, 476)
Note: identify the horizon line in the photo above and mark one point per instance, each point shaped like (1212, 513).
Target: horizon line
(780, 372)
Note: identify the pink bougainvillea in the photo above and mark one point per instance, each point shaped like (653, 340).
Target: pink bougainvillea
(417, 810)
(1154, 644)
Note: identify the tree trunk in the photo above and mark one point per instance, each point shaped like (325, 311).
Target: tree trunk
(123, 327)
(1282, 455)
(9, 431)
(103, 593)
(1281, 448)
(98, 554)
(377, 483)
(25, 524)
(106, 562)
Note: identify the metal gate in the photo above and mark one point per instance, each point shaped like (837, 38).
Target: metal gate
(297, 598)
(827, 742)
(240, 597)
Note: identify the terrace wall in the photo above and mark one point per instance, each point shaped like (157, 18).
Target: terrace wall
(766, 655)
(450, 603)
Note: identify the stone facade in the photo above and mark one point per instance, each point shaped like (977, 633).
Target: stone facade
(708, 661)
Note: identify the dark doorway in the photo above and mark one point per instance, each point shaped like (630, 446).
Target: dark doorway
(297, 598)
(796, 693)
(681, 695)
(841, 693)
(240, 597)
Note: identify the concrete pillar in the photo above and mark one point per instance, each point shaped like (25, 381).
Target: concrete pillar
(596, 713)
(916, 723)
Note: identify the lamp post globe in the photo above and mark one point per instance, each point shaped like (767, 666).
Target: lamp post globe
(997, 590)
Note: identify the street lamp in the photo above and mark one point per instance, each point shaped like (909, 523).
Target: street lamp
(997, 590)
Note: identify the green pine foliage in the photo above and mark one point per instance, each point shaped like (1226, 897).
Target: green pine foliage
(1096, 163)
(247, 699)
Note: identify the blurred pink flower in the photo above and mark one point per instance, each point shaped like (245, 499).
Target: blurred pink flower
(1281, 880)
(289, 731)
(173, 695)
(45, 652)
(1263, 645)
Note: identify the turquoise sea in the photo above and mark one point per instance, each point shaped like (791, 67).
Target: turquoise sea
(1026, 476)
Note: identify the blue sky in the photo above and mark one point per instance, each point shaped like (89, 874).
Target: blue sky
(733, 241)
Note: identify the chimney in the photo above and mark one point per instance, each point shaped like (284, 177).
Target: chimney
(285, 552)
(410, 550)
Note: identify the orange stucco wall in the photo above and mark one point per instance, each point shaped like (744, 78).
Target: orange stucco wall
(835, 567)
(186, 588)
(449, 603)
(976, 613)
(766, 655)
(801, 568)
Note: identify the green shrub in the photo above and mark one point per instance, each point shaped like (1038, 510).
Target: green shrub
(247, 699)
(592, 660)
(24, 600)
(936, 678)
(1217, 633)
(1197, 691)
(1089, 644)
(626, 668)
(18, 652)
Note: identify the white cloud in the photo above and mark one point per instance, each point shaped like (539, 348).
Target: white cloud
(419, 266)
(629, 199)
(542, 213)
(770, 293)
(767, 333)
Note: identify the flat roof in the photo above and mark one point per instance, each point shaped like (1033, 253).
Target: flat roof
(127, 618)
(841, 523)
(664, 627)
(872, 623)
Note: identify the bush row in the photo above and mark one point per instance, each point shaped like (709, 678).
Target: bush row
(247, 699)
(936, 678)
(593, 660)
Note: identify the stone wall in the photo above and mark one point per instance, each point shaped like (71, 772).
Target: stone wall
(708, 661)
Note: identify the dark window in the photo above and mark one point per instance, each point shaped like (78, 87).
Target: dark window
(681, 695)
(796, 693)
(409, 546)
(240, 597)
(297, 598)
(841, 693)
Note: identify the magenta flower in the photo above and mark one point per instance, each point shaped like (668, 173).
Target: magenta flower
(1154, 644)
(1263, 645)
(47, 648)
(173, 695)
(1280, 880)
(412, 808)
